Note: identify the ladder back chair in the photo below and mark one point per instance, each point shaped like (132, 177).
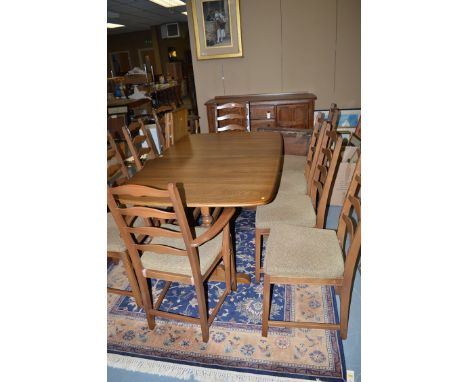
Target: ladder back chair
(297, 182)
(139, 142)
(319, 123)
(302, 210)
(116, 250)
(302, 255)
(296, 163)
(116, 168)
(232, 116)
(333, 115)
(173, 253)
(355, 138)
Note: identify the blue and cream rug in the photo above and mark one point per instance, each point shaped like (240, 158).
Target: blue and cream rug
(236, 350)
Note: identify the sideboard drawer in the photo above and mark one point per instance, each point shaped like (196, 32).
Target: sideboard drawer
(262, 112)
(259, 123)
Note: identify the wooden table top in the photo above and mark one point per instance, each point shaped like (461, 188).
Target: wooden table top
(219, 170)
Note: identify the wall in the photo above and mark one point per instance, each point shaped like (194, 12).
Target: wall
(289, 45)
(132, 42)
(181, 44)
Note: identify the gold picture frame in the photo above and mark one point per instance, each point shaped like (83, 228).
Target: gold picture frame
(217, 28)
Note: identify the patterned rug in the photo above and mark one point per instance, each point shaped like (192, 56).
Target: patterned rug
(235, 342)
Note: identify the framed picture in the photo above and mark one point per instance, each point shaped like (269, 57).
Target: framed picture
(217, 28)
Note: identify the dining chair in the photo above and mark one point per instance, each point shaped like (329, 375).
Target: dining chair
(302, 210)
(232, 116)
(116, 167)
(357, 131)
(304, 255)
(297, 181)
(182, 253)
(117, 173)
(140, 143)
(298, 163)
(117, 251)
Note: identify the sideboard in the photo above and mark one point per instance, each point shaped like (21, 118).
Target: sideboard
(292, 114)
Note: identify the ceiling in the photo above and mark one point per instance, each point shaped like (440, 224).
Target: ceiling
(138, 15)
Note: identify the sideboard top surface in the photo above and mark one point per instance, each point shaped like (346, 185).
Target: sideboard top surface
(264, 97)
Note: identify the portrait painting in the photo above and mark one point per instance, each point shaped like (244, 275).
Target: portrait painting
(217, 28)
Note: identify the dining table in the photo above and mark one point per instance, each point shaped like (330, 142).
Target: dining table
(234, 169)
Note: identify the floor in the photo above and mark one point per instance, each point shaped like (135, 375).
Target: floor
(351, 346)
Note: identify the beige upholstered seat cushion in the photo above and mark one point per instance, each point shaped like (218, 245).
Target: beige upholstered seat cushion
(288, 209)
(114, 241)
(293, 163)
(180, 264)
(293, 183)
(303, 252)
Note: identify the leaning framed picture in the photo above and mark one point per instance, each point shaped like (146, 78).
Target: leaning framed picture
(217, 28)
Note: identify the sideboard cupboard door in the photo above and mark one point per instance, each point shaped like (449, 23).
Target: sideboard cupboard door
(294, 116)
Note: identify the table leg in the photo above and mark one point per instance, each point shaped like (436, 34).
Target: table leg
(207, 219)
(218, 274)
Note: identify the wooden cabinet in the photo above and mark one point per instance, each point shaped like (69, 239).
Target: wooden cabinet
(294, 116)
(291, 114)
(278, 110)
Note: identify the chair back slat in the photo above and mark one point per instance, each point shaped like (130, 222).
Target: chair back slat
(328, 172)
(314, 137)
(140, 191)
(319, 159)
(116, 168)
(350, 224)
(351, 211)
(160, 248)
(333, 115)
(231, 105)
(148, 213)
(140, 142)
(231, 127)
(232, 114)
(312, 165)
(150, 229)
(155, 231)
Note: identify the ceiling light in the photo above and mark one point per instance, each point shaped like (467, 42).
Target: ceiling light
(169, 3)
(112, 25)
(184, 13)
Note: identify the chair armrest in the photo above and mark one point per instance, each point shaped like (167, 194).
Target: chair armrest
(216, 228)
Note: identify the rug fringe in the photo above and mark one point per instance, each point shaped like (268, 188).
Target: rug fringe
(185, 372)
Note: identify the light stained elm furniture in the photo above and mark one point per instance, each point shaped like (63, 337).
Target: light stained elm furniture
(117, 173)
(140, 143)
(297, 208)
(304, 255)
(180, 253)
(218, 170)
(291, 114)
(232, 116)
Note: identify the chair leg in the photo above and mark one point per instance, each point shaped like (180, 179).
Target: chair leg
(147, 300)
(258, 254)
(202, 309)
(233, 266)
(132, 278)
(345, 298)
(266, 304)
(227, 258)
